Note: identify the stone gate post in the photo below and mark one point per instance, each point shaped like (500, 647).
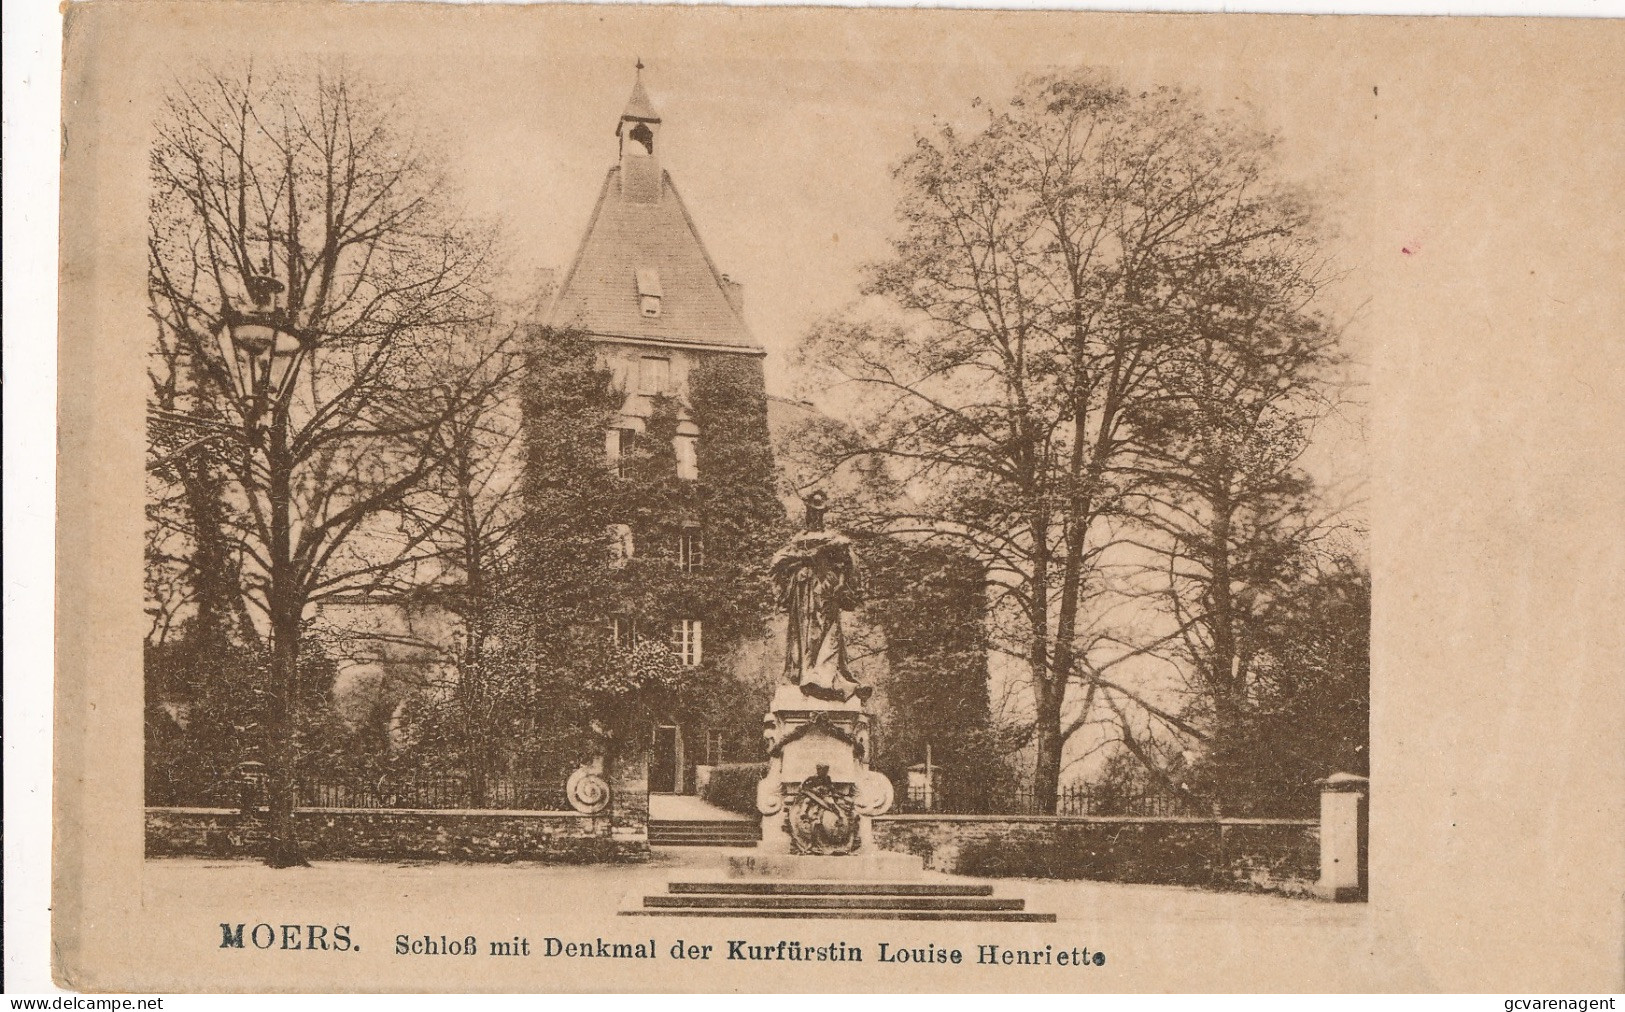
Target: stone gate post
(1343, 832)
(629, 806)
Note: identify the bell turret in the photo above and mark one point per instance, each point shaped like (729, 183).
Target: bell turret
(639, 133)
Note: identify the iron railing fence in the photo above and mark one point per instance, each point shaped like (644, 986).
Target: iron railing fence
(430, 791)
(1072, 799)
(422, 790)
(394, 790)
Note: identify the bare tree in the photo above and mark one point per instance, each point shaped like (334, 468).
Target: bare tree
(310, 183)
(1043, 278)
(470, 509)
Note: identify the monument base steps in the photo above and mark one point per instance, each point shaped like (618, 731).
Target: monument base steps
(895, 901)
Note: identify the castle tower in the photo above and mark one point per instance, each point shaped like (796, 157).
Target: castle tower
(686, 441)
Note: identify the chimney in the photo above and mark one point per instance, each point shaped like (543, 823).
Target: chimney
(736, 294)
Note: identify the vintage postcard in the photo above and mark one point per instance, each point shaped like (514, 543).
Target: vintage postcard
(594, 498)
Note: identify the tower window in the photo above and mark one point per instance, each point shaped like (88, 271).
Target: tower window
(686, 446)
(690, 550)
(685, 640)
(654, 375)
(644, 136)
(688, 463)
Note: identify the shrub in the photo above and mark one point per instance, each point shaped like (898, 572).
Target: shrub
(1131, 852)
(733, 786)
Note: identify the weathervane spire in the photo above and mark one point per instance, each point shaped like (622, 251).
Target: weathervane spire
(638, 107)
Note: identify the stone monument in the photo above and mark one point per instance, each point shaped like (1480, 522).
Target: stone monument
(819, 793)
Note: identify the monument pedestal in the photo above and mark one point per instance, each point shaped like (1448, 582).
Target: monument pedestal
(819, 792)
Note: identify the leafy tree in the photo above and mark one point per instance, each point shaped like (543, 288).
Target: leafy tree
(1310, 711)
(1234, 521)
(206, 712)
(1044, 279)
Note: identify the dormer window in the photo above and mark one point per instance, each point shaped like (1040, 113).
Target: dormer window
(649, 291)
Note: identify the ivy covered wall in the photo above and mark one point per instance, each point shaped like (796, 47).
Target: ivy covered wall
(928, 604)
(569, 586)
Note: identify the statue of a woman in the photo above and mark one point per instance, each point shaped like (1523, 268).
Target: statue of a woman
(816, 576)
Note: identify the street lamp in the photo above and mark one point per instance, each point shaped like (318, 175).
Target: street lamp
(262, 351)
(260, 346)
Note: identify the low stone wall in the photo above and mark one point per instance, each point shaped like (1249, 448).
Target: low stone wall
(1280, 855)
(415, 834)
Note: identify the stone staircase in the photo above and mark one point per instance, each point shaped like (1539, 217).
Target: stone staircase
(703, 833)
(894, 901)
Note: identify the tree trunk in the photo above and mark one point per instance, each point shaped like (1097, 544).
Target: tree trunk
(1224, 676)
(479, 737)
(1049, 743)
(287, 611)
(1047, 691)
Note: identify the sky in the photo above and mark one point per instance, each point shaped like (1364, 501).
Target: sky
(784, 160)
(1470, 188)
(782, 145)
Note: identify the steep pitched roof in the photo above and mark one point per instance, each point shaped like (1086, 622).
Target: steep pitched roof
(638, 106)
(600, 293)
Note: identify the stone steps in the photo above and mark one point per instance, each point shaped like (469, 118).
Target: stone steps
(869, 902)
(1000, 916)
(707, 833)
(898, 901)
(832, 888)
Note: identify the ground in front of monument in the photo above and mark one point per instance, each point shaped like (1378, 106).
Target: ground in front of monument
(402, 908)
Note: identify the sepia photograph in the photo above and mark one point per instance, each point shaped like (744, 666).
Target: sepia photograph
(671, 499)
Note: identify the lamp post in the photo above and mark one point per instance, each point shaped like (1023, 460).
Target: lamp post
(262, 350)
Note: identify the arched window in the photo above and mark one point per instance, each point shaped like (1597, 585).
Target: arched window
(644, 136)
